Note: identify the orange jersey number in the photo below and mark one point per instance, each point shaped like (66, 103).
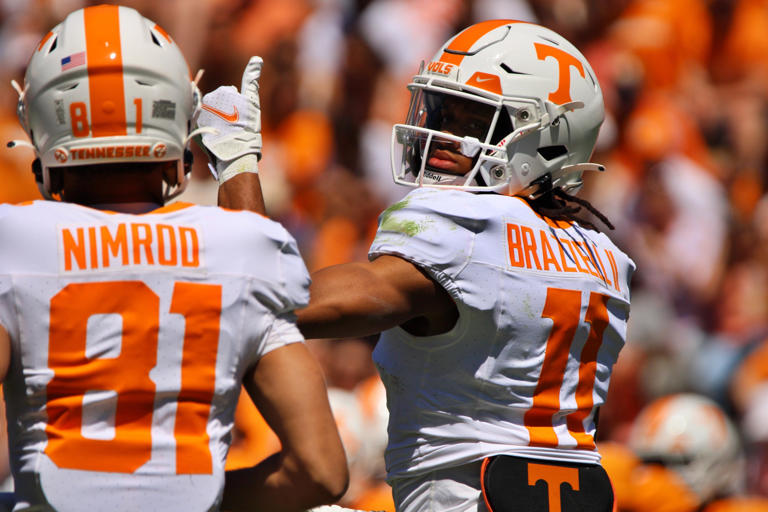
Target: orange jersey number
(563, 307)
(80, 371)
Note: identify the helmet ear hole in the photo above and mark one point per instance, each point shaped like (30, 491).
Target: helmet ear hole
(551, 152)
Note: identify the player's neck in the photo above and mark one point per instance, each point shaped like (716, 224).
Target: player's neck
(136, 189)
(134, 207)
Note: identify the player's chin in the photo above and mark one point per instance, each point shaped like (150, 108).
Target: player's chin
(445, 166)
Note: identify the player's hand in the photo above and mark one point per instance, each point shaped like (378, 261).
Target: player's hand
(233, 142)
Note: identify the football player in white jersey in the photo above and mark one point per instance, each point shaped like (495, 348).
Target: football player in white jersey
(503, 308)
(128, 327)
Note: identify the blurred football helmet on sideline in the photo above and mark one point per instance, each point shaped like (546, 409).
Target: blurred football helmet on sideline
(107, 85)
(537, 109)
(691, 435)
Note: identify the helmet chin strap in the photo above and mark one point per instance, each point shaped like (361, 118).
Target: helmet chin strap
(182, 180)
(431, 177)
(182, 177)
(44, 192)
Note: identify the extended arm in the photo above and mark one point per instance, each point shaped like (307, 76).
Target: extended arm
(242, 192)
(288, 388)
(231, 136)
(358, 299)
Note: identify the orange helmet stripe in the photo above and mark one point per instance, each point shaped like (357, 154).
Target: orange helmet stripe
(44, 40)
(105, 70)
(163, 32)
(469, 36)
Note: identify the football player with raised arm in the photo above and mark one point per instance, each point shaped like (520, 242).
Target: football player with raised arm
(503, 308)
(127, 325)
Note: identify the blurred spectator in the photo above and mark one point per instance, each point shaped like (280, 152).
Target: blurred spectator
(683, 455)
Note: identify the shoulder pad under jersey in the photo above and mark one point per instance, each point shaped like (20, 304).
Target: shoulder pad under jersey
(272, 255)
(431, 228)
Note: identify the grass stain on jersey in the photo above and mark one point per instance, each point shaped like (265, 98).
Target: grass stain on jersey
(528, 309)
(395, 207)
(406, 227)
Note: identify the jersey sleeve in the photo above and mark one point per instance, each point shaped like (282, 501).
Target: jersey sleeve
(432, 229)
(282, 331)
(282, 279)
(294, 276)
(279, 289)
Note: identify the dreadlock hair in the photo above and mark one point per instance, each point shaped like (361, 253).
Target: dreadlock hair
(557, 204)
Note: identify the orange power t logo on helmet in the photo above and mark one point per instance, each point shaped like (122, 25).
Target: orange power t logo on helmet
(564, 61)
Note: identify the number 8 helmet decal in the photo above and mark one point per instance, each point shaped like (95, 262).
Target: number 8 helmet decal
(536, 110)
(108, 85)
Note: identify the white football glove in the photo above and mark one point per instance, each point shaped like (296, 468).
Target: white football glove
(231, 125)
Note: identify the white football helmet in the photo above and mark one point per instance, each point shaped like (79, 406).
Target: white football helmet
(108, 85)
(517, 98)
(691, 435)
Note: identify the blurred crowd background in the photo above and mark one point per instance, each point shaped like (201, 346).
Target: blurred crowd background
(685, 143)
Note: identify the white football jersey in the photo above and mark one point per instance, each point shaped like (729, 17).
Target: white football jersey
(130, 338)
(543, 310)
